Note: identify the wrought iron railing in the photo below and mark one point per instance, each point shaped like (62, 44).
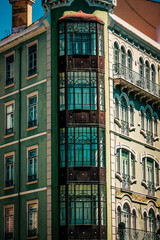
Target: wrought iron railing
(125, 127)
(120, 71)
(9, 131)
(9, 183)
(125, 181)
(9, 81)
(150, 188)
(32, 177)
(135, 234)
(149, 137)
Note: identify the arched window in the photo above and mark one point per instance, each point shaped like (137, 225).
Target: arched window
(129, 60)
(149, 134)
(126, 215)
(118, 215)
(145, 221)
(155, 127)
(129, 65)
(131, 116)
(116, 108)
(153, 74)
(123, 61)
(134, 219)
(141, 70)
(124, 116)
(158, 222)
(151, 221)
(150, 174)
(116, 57)
(142, 119)
(125, 166)
(147, 75)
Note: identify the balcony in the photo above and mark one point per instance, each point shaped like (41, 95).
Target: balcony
(132, 80)
(149, 137)
(150, 189)
(135, 234)
(125, 181)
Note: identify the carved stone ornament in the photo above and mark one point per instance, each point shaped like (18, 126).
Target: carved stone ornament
(106, 4)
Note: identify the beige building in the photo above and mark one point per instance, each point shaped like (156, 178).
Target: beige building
(134, 61)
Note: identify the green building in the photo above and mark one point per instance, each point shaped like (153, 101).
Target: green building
(54, 141)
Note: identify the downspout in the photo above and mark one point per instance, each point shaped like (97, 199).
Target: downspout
(19, 146)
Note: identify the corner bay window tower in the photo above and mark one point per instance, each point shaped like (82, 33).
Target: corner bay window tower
(82, 172)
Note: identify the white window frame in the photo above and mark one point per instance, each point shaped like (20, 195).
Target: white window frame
(27, 208)
(28, 46)
(6, 155)
(5, 114)
(6, 56)
(28, 150)
(33, 94)
(5, 208)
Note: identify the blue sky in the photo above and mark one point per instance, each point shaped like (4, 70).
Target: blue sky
(6, 16)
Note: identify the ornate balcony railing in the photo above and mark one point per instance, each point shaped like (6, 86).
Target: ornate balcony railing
(125, 181)
(149, 137)
(125, 127)
(135, 234)
(150, 188)
(120, 71)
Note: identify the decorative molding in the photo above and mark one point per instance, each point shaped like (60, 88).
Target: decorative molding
(106, 4)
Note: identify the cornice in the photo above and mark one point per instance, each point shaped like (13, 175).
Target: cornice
(106, 4)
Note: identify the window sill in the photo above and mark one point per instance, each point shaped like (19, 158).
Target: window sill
(32, 76)
(8, 188)
(8, 86)
(31, 128)
(9, 135)
(32, 182)
(117, 121)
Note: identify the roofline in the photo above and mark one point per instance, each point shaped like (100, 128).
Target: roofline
(134, 31)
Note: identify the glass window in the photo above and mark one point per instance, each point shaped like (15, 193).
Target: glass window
(156, 174)
(132, 166)
(131, 116)
(82, 147)
(32, 111)
(134, 219)
(116, 57)
(81, 38)
(129, 60)
(147, 76)
(100, 39)
(62, 205)
(9, 70)
(143, 170)
(9, 118)
(9, 171)
(124, 115)
(32, 219)
(101, 91)
(145, 221)
(62, 91)
(62, 147)
(61, 39)
(116, 108)
(9, 222)
(125, 161)
(153, 74)
(83, 204)
(32, 60)
(103, 205)
(142, 119)
(32, 165)
(148, 121)
(126, 215)
(118, 215)
(151, 221)
(102, 147)
(155, 127)
(118, 161)
(141, 69)
(82, 90)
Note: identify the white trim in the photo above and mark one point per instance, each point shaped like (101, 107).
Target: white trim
(8, 144)
(34, 84)
(33, 191)
(33, 136)
(10, 94)
(9, 196)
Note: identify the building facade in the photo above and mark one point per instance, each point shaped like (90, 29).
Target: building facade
(134, 117)
(79, 132)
